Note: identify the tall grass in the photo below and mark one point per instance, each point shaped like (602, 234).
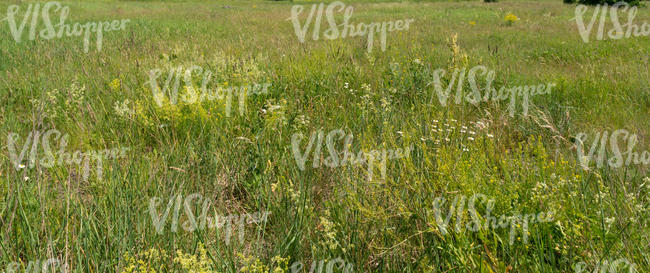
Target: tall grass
(244, 163)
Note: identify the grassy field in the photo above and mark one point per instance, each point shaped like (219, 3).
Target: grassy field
(242, 160)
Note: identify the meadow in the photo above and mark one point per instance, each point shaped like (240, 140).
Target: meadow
(239, 157)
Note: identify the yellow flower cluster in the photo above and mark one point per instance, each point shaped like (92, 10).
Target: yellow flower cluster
(153, 261)
(279, 265)
(193, 263)
(148, 261)
(511, 18)
(115, 85)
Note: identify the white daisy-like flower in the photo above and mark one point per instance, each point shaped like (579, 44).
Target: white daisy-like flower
(346, 85)
(423, 139)
(21, 166)
(472, 132)
(470, 138)
(435, 121)
(463, 131)
(447, 139)
(490, 135)
(465, 150)
(453, 120)
(400, 133)
(26, 178)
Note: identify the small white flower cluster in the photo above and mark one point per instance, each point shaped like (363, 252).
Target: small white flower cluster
(123, 109)
(445, 131)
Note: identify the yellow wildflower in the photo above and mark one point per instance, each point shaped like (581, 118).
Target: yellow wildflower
(115, 85)
(511, 18)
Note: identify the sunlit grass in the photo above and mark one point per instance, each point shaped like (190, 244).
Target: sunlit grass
(244, 163)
